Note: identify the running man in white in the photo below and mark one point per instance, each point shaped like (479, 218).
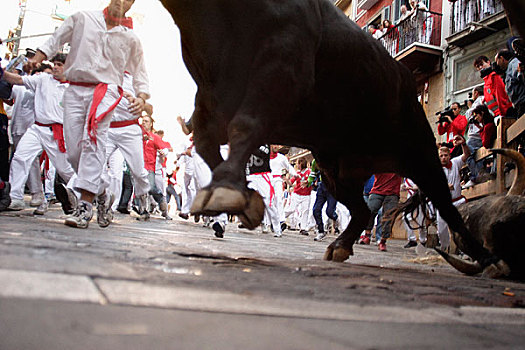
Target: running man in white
(22, 118)
(258, 174)
(452, 168)
(102, 47)
(125, 134)
(280, 165)
(46, 134)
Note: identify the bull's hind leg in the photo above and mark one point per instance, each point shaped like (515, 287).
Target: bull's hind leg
(436, 188)
(352, 197)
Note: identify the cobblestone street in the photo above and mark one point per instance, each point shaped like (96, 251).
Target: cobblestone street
(172, 284)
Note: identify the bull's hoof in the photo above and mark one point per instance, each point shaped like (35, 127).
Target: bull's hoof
(219, 200)
(253, 214)
(497, 270)
(335, 252)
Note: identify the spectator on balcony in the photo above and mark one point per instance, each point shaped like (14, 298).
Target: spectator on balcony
(474, 141)
(496, 97)
(390, 37)
(455, 125)
(423, 20)
(514, 83)
(404, 13)
(374, 31)
(488, 128)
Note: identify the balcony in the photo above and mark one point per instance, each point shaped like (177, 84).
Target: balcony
(416, 42)
(366, 4)
(471, 21)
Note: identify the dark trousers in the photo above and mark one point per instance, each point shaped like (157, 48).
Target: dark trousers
(127, 191)
(322, 197)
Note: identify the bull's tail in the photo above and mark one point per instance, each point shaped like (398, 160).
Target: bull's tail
(410, 209)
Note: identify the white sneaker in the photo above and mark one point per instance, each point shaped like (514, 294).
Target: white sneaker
(469, 184)
(265, 228)
(36, 199)
(17, 204)
(42, 208)
(320, 236)
(278, 234)
(82, 215)
(104, 212)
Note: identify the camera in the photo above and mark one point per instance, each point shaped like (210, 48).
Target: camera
(443, 115)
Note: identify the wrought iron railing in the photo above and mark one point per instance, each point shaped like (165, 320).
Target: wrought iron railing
(421, 27)
(465, 12)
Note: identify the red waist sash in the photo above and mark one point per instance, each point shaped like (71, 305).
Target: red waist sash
(58, 134)
(98, 95)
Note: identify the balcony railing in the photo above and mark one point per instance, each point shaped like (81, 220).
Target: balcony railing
(465, 12)
(421, 27)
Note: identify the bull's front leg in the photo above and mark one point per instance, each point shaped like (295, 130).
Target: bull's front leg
(341, 249)
(228, 191)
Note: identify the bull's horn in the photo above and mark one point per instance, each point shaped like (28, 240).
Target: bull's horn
(464, 266)
(518, 185)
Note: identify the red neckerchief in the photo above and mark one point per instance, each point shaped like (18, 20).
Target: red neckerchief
(123, 21)
(448, 165)
(273, 155)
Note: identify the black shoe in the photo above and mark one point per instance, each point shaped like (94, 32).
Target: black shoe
(241, 226)
(283, 226)
(196, 218)
(304, 232)
(410, 244)
(184, 216)
(5, 199)
(64, 197)
(219, 229)
(123, 210)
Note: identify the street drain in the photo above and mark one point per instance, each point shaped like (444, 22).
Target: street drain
(223, 259)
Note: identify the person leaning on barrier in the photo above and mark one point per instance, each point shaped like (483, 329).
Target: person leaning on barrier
(514, 82)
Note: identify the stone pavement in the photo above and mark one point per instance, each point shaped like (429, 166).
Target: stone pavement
(173, 285)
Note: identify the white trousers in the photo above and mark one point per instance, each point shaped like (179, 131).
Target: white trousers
(419, 220)
(128, 140)
(257, 182)
(87, 158)
(301, 205)
(277, 183)
(161, 180)
(188, 193)
(442, 227)
(114, 168)
(33, 180)
(36, 139)
(49, 182)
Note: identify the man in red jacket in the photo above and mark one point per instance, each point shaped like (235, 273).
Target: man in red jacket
(496, 97)
(384, 193)
(454, 126)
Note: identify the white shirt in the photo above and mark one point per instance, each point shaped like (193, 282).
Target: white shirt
(23, 112)
(279, 163)
(121, 112)
(98, 55)
(48, 97)
(453, 176)
(473, 129)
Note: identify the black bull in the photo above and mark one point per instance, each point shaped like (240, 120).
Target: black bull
(300, 73)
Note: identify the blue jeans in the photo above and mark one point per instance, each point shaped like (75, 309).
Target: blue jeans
(474, 167)
(154, 190)
(322, 197)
